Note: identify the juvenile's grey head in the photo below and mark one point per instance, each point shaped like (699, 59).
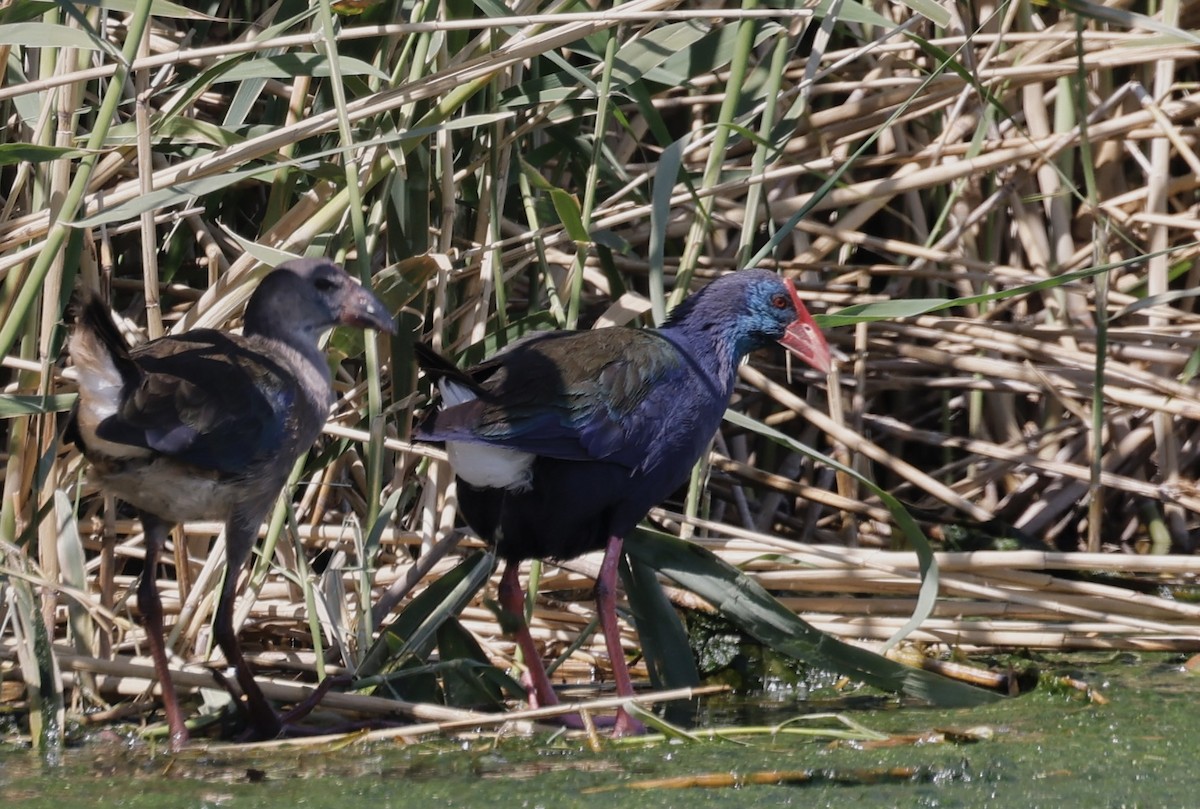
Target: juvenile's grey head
(307, 296)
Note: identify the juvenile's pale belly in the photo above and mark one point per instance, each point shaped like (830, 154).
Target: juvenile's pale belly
(158, 487)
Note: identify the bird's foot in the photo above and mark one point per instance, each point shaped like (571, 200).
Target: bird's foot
(259, 719)
(622, 723)
(265, 724)
(626, 725)
(308, 704)
(295, 731)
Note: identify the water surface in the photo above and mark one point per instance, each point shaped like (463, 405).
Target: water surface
(1053, 747)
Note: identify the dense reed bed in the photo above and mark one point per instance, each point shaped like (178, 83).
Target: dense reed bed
(996, 216)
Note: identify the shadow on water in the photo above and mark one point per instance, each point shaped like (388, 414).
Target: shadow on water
(1053, 747)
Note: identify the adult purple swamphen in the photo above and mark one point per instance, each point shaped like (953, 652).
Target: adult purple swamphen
(207, 425)
(562, 442)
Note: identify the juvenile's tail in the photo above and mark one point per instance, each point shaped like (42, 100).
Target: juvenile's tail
(95, 325)
(103, 366)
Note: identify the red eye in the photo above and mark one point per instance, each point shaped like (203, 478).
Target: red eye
(779, 301)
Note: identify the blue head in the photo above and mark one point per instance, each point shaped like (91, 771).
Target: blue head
(751, 309)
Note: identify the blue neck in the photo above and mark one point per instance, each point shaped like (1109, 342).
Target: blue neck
(715, 351)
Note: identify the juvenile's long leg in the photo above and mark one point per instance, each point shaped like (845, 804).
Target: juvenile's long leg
(150, 606)
(240, 534)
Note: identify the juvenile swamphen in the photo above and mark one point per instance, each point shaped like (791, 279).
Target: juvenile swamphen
(207, 425)
(562, 442)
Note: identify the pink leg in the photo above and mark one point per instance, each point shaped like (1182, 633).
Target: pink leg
(150, 607)
(539, 691)
(606, 605)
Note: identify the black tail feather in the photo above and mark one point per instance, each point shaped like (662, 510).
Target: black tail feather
(438, 367)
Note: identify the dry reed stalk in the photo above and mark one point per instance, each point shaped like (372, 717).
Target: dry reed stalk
(1043, 154)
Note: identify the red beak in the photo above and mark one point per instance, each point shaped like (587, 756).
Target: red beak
(803, 338)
